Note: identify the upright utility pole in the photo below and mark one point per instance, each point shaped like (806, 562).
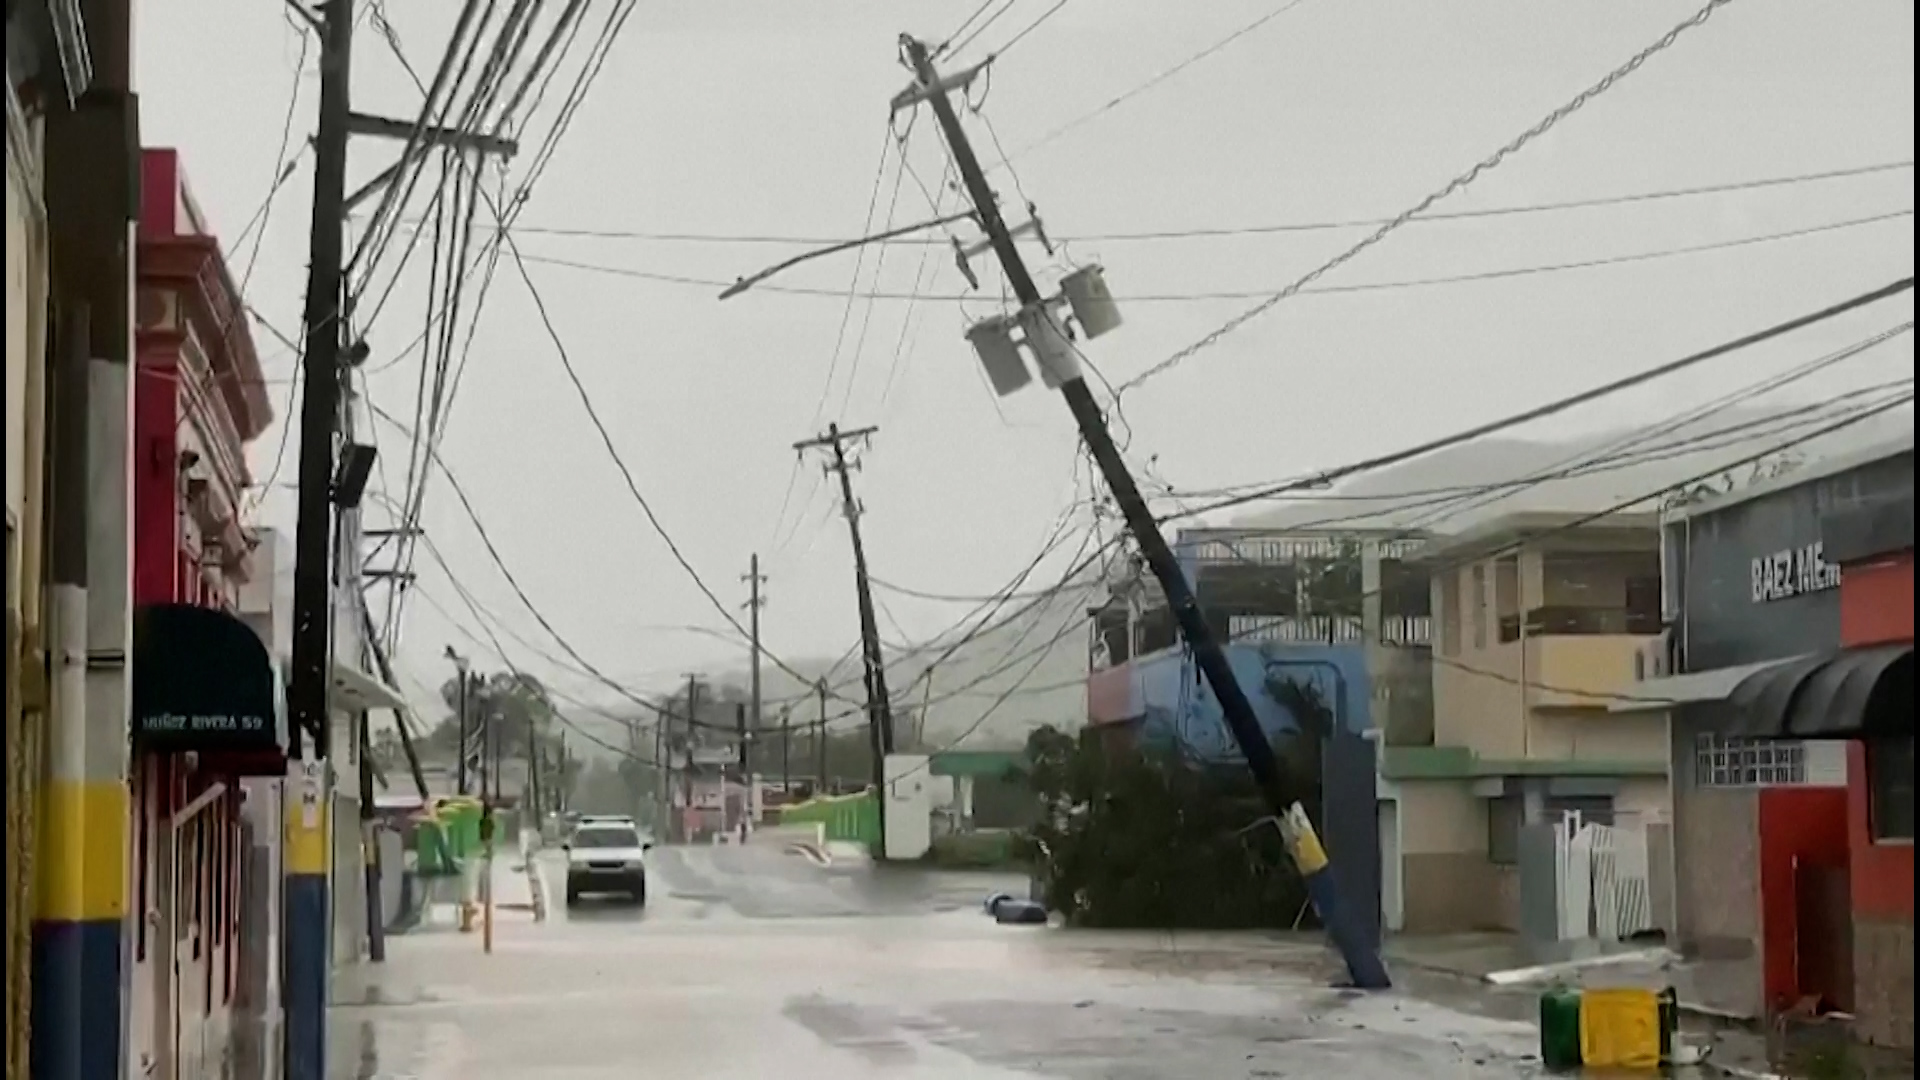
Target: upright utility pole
(746, 771)
(786, 749)
(462, 710)
(308, 905)
(755, 602)
(879, 708)
(535, 806)
(686, 766)
(662, 774)
(820, 738)
(1363, 962)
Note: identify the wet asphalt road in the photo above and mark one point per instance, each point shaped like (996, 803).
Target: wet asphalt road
(750, 963)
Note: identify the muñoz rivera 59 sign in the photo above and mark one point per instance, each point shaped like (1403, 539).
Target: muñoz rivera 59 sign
(204, 682)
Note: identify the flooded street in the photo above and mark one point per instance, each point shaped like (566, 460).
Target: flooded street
(749, 963)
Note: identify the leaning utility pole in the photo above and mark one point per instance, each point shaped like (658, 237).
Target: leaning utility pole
(879, 708)
(1059, 361)
(755, 602)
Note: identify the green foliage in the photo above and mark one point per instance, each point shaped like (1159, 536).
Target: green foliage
(1138, 839)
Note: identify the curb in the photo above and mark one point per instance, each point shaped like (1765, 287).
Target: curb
(816, 855)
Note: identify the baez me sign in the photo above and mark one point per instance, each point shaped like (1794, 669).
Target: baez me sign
(203, 682)
(1785, 574)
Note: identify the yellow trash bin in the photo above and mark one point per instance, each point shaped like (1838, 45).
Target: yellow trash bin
(1626, 1029)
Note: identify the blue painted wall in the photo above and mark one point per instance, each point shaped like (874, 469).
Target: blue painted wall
(1179, 708)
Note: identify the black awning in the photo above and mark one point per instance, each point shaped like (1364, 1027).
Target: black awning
(204, 682)
(1855, 693)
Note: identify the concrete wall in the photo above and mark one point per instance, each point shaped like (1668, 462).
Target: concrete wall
(26, 304)
(1517, 700)
(1716, 858)
(1446, 881)
(1877, 607)
(1594, 736)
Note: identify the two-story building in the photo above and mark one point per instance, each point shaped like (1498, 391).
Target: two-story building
(1787, 683)
(1537, 619)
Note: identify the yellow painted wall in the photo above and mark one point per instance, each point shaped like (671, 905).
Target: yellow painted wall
(1510, 700)
(1441, 817)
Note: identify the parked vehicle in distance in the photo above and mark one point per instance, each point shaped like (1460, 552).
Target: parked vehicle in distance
(607, 856)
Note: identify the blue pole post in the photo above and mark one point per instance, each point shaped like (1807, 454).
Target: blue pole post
(306, 926)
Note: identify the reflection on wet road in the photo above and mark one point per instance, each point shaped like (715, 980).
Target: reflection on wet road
(749, 963)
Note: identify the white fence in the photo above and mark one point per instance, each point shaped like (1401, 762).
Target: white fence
(1604, 888)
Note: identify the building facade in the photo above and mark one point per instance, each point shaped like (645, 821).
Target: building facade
(1537, 617)
(26, 331)
(199, 399)
(1787, 883)
(1873, 544)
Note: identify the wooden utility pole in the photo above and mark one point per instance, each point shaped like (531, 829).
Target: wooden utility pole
(786, 749)
(662, 771)
(755, 601)
(820, 738)
(879, 708)
(1363, 961)
(533, 775)
(746, 771)
(686, 767)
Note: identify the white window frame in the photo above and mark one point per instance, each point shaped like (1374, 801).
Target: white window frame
(1721, 761)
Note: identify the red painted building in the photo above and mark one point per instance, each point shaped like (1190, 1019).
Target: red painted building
(1790, 706)
(199, 399)
(1875, 546)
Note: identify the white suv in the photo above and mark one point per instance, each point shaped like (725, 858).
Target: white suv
(606, 856)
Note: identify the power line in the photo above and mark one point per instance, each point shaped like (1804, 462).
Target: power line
(1031, 27)
(1764, 386)
(1215, 231)
(1245, 294)
(981, 29)
(1731, 434)
(1458, 183)
(613, 452)
(962, 28)
(1563, 404)
(1156, 80)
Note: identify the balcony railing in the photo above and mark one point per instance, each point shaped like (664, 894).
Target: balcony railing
(1580, 622)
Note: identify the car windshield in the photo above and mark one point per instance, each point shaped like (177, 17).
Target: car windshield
(606, 838)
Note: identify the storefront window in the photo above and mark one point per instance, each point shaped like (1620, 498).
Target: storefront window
(1890, 774)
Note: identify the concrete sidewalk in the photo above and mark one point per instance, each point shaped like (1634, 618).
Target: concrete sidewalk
(1737, 1043)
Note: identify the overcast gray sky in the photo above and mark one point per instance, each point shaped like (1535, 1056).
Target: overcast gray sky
(733, 117)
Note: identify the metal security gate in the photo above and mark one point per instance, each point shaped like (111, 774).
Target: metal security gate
(1604, 887)
(185, 933)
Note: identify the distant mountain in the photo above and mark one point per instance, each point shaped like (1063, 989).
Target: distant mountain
(1610, 468)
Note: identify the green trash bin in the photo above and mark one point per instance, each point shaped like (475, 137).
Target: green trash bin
(433, 854)
(1560, 1028)
(461, 819)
